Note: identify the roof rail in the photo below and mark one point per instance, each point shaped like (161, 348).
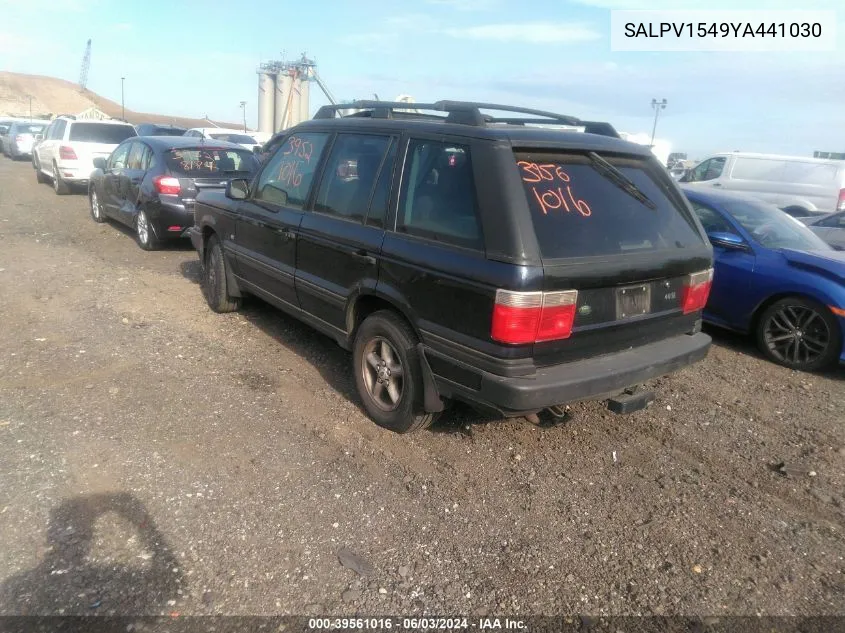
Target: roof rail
(463, 113)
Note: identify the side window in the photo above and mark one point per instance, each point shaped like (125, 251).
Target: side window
(438, 201)
(136, 156)
(59, 131)
(709, 169)
(117, 160)
(148, 160)
(711, 219)
(350, 175)
(381, 195)
(715, 168)
(273, 145)
(286, 180)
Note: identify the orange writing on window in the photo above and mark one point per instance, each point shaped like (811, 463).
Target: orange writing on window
(299, 148)
(550, 186)
(290, 173)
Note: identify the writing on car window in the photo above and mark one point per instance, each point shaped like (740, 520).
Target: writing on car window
(552, 188)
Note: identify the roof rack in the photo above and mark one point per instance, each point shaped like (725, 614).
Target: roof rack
(462, 113)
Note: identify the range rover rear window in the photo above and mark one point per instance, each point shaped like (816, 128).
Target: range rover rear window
(584, 205)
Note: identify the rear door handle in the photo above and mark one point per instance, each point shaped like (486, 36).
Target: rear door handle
(362, 256)
(717, 184)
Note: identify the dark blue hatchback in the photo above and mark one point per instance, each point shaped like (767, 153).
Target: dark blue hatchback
(773, 279)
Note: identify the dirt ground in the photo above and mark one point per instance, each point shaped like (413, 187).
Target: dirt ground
(158, 457)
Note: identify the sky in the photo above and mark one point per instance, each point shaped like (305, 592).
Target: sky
(196, 58)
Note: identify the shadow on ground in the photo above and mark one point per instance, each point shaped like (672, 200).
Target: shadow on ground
(180, 244)
(743, 344)
(86, 568)
(333, 363)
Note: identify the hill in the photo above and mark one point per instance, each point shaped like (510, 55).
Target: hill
(52, 96)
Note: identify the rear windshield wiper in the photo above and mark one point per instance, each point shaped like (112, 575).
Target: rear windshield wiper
(619, 179)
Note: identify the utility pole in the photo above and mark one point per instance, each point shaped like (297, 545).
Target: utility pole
(658, 106)
(122, 103)
(243, 108)
(30, 107)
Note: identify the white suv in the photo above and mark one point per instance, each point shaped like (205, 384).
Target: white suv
(65, 155)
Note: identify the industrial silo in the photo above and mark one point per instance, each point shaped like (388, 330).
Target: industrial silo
(304, 97)
(284, 99)
(266, 101)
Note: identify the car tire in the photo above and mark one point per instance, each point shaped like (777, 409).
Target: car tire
(144, 231)
(40, 177)
(385, 343)
(96, 208)
(59, 186)
(799, 333)
(215, 285)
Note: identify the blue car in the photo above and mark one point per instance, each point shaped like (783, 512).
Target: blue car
(773, 279)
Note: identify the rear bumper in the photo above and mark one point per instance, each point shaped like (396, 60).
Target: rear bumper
(20, 150)
(74, 171)
(588, 379)
(171, 220)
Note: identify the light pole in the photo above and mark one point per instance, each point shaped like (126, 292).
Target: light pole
(243, 108)
(30, 107)
(658, 106)
(122, 103)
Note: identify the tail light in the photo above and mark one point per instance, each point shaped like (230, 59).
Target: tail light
(840, 205)
(696, 290)
(66, 153)
(167, 184)
(532, 317)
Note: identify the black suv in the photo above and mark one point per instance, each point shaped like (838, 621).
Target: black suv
(464, 256)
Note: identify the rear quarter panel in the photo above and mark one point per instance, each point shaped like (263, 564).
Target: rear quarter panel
(215, 213)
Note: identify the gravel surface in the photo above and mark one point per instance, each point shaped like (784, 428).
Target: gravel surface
(157, 457)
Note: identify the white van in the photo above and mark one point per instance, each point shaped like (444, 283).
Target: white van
(800, 186)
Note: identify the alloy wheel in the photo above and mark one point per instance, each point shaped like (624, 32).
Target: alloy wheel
(797, 334)
(383, 374)
(95, 204)
(143, 228)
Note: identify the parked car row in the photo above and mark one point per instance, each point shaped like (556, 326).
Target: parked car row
(150, 183)
(249, 140)
(17, 137)
(460, 256)
(65, 152)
